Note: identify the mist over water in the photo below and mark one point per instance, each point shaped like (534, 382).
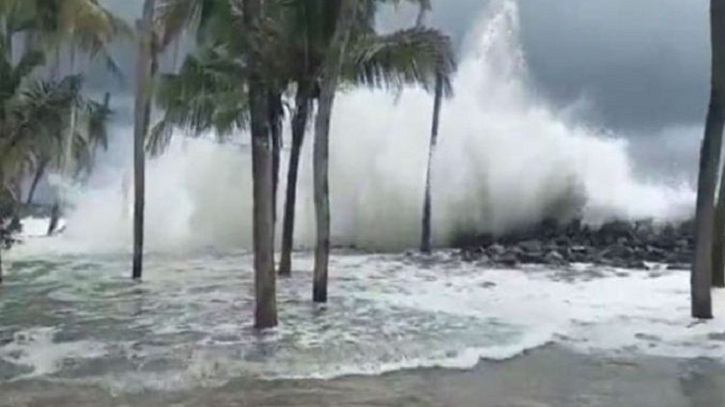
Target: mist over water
(505, 158)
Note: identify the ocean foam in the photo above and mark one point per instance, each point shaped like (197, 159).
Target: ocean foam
(504, 158)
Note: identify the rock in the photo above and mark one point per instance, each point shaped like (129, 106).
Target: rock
(508, 259)
(554, 258)
(637, 264)
(617, 244)
(530, 246)
(496, 250)
(483, 260)
(531, 257)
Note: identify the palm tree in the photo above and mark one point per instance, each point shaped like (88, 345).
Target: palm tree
(30, 110)
(406, 57)
(90, 136)
(81, 25)
(305, 29)
(701, 277)
(145, 72)
(265, 315)
(332, 70)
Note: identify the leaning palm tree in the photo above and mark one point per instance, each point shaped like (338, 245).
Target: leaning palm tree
(425, 239)
(30, 110)
(701, 277)
(79, 25)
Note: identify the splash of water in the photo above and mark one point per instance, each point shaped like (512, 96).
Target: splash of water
(504, 159)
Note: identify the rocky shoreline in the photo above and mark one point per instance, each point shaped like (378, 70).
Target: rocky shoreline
(634, 245)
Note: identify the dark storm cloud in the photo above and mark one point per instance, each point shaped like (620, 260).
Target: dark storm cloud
(642, 64)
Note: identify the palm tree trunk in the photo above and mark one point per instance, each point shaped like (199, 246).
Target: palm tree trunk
(321, 153)
(716, 120)
(299, 125)
(39, 173)
(145, 70)
(718, 238)
(275, 126)
(67, 158)
(701, 276)
(425, 240)
(265, 315)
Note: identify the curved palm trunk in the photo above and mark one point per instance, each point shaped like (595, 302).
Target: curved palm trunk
(425, 239)
(145, 70)
(39, 173)
(701, 277)
(299, 125)
(321, 154)
(265, 313)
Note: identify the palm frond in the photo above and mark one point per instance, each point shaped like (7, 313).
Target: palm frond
(208, 94)
(413, 56)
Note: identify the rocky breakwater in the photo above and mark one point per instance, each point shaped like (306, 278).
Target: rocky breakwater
(641, 244)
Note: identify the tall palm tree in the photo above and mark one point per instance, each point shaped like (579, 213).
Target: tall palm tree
(701, 277)
(409, 56)
(265, 315)
(329, 78)
(304, 32)
(145, 71)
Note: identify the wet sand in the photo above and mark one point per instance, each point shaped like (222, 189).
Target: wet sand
(551, 376)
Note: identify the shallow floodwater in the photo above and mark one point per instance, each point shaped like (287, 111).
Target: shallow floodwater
(79, 320)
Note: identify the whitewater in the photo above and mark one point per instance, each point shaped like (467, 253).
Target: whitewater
(69, 313)
(505, 159)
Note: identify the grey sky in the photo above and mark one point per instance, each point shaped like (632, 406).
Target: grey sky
(643, 64)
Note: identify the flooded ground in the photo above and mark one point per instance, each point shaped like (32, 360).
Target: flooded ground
(75, 331)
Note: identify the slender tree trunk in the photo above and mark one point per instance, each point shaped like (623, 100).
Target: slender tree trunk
(265, 315)
(67, 158)
(275, 127)
(39, 173)
(716, 121)
(718, 238)
(321, 154)
(299, 125)
(425, 240)
(1, 264)
(54, 217)
(701, 276)
(145, 70)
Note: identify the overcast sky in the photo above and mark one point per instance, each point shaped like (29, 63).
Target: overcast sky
(642, 64)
